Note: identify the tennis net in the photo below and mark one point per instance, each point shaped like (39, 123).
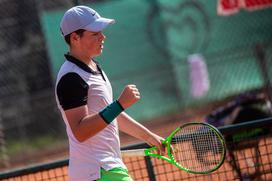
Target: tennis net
(249, 157)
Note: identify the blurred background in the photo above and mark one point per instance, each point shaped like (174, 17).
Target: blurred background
(187, 57)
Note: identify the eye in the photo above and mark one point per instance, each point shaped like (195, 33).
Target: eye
(95, 34)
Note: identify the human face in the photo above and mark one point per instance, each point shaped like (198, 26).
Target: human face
(91, 43)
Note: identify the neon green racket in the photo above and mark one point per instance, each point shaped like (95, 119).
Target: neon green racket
(197, 148)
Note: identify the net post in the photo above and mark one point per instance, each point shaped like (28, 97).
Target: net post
(150, 170)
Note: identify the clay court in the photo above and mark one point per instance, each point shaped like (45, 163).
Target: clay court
(253, 158)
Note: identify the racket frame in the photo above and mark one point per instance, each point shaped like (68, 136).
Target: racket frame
(168, 141)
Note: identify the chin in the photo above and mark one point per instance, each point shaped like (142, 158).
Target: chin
(99, 53)
(96, 55)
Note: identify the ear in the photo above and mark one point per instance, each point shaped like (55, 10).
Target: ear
(74, 37)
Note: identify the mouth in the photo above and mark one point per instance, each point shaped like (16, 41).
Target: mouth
(102, 45)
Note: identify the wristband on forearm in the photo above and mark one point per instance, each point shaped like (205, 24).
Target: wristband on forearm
(110, 112)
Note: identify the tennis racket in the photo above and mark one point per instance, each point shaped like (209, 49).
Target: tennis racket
(194, 147)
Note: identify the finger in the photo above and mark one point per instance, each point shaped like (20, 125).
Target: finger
(164, 149)
(136, 92)
(164, 146)
(131, 86)
(137, 96)
(134, 88)
(172, 149)
(160, 149)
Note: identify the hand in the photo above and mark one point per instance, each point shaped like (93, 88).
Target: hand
(155, 140)
(129, 96)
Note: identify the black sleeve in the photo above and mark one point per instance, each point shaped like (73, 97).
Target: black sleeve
(72, 91)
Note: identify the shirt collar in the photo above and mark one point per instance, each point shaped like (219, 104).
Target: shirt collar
(82, 65)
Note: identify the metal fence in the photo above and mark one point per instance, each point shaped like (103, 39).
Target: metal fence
(249, 157)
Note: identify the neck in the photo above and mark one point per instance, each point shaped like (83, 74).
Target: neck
(85, 59)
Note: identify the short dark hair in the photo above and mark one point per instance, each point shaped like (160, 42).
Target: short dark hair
(78, 32)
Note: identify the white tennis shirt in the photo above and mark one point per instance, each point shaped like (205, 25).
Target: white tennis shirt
(79, 85)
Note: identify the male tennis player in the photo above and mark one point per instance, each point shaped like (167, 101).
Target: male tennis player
(84, 97)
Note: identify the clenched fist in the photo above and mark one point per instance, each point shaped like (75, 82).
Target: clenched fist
(129, 96)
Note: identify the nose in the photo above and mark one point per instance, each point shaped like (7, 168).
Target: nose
(102, 37)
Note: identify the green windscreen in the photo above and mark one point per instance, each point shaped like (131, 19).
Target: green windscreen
(150, 43)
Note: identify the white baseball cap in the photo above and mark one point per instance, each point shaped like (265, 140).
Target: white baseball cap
(83, 17)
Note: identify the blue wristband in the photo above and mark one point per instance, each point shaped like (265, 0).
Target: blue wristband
(110, 112)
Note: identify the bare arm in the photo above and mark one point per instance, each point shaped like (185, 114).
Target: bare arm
(85, 126)
(82, 124)
(128, 125)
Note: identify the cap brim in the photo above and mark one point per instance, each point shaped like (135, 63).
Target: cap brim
(99, 24)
